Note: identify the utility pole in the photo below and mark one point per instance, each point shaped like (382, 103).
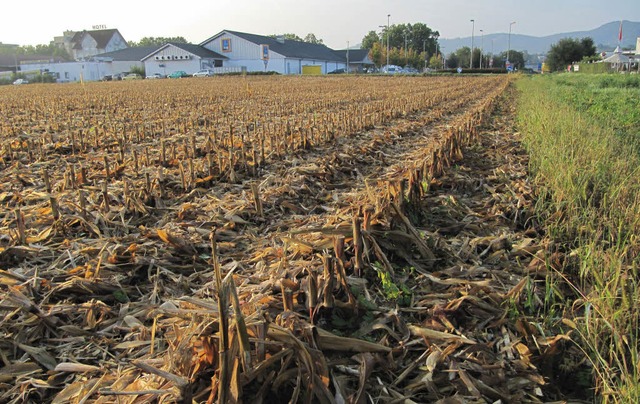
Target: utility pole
(405, 48)
(481, 46)
(347, 57)
(509, 47)
(473, 26)
(388, 19)
(424, 50)
(384, 29)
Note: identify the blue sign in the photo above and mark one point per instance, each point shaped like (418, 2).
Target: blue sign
(459, 70)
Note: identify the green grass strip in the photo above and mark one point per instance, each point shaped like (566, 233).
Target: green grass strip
(586, 167)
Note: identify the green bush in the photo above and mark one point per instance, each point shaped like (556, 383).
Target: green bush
(594, 68)
(138, 70)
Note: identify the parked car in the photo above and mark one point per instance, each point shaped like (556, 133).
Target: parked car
(392, 69)
(203, 73)
(132, 76)
(155, 76)
(21, 81)
(337, 71)
(178, 74)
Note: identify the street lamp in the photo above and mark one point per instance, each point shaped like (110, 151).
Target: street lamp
(473, 26)
(509, 46)
(405, 47)
(388, 19)
(424, 50)
(384, 29)
(347, 57)
(481, 46)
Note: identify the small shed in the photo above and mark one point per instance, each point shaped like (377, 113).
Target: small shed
(618, 60)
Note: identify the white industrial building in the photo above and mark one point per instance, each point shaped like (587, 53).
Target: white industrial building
(181, 56)
(257, 53)
(94, 69)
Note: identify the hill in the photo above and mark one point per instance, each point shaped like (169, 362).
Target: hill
(605, 37)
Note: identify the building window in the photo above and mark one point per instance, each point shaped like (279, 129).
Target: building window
(264, 51)
(217, 63)
(226, 44)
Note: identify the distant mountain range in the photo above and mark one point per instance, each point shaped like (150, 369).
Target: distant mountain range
(605, 37)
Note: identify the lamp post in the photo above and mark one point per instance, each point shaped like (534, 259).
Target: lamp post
(405, 47)
(384, 29)
(388, 19)
(347, 57)
(444, 59)
(424, 50)
(473, 26)
(509, 45)
(481, 46)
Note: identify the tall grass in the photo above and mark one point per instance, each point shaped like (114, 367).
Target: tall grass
(587, 171)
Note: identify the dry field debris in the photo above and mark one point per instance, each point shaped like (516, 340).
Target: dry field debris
(265, 240)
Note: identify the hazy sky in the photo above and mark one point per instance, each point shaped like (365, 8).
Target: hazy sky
(335, 21)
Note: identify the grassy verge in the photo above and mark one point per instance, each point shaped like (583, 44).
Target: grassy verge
(582, 136)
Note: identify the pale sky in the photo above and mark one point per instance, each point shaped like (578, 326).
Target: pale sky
(335, 21)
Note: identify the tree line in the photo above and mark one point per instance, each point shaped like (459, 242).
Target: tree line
(409, 45)
(40, 50)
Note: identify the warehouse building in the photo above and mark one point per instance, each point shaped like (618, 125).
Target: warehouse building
(258, 53)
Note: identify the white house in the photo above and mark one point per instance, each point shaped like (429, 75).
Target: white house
(82, 45)
(257, 53)
(181, 56)
(95, 68)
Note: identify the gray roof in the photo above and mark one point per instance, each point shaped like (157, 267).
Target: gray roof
(355, 55)
(289, 48)
(136, 53)
(101, 36)
(617, 58)
(9, 60)
(198, 50)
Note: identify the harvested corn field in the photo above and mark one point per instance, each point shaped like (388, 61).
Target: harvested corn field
(264, 240)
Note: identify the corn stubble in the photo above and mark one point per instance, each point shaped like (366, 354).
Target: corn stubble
(226, 242)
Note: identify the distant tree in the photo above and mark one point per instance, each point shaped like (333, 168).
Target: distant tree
(376, 54)
(288, 37)
(418, 36)
(451, 61)
(157, 41)
(435, 62)
(43, 50)
(569, 50)
(518, 59)
(370, 39)
(460, 58)
(476, 57)
(137, 70)
(409, 45)
(311, 38)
